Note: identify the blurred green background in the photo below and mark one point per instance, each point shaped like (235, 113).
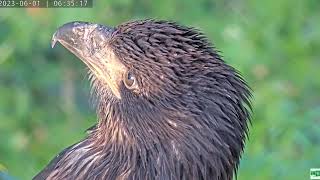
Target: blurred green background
(275, 44)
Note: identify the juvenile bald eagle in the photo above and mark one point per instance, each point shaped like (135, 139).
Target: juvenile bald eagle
(168, 106)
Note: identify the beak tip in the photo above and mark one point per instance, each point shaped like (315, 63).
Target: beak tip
(54, 40)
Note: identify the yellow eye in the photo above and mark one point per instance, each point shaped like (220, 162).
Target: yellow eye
(129, 80)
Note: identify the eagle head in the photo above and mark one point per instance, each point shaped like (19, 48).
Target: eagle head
(167, 103)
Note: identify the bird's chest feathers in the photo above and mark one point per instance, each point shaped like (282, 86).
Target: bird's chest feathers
(114, 160)
(118, 149)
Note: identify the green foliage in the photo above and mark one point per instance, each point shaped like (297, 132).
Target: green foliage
(275, 45)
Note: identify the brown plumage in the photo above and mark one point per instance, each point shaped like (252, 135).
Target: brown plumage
(168, 106)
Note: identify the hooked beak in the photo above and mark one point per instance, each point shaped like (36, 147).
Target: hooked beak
(89, 42)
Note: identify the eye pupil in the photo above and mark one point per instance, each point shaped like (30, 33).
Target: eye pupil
(129, 80)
